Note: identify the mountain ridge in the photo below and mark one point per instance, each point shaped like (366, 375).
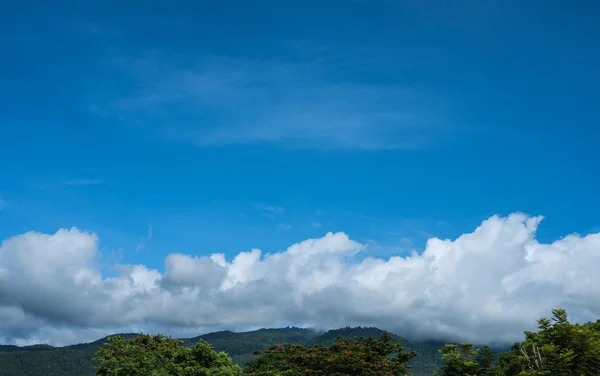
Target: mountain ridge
(76, 359)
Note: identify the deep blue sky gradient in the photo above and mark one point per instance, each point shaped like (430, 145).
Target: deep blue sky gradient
(98, 129)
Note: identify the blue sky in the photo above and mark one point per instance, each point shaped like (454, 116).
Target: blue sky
(390, 117)
(225, 126)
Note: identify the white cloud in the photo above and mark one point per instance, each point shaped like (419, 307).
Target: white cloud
(488, 285)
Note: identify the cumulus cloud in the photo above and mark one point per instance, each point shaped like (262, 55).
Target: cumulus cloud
(487, 285)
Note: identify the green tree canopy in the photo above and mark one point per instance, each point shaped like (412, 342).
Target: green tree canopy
(459, 360)
(161, 356)
(559, 348)
(363, 356)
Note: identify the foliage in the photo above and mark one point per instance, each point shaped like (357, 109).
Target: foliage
(161, 356)
(65, 362)
(558, 348)
(241, 346)
(363, 356)
(76, 360)
(485, 359)
(428, 358)
(466, 360)
(459, 360)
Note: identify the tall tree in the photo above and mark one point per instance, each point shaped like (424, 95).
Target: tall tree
(459, 360)
(485, 359)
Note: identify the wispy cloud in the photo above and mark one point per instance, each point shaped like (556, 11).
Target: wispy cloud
(71, 183)
(142, 244)
(269, 209)
(83, 182)
(310, 98)
(317, 225)
(274, 209)
(3, 203)
(284, 226)
(359, 216)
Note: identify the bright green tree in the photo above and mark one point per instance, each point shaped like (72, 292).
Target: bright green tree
(363, 356)
(161, 356)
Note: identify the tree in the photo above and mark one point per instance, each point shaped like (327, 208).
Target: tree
(161, 356)
(459, 361)
(363, 356)
(485, 359)
(559, 348)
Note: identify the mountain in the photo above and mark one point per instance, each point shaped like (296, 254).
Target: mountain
(76, 360)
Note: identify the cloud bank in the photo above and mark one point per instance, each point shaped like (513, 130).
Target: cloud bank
(488, 285)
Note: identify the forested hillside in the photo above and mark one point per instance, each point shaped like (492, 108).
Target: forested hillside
(76, 360)
(557, 348)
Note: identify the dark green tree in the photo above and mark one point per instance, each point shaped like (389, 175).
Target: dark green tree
(161, 356)
(485, 359)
